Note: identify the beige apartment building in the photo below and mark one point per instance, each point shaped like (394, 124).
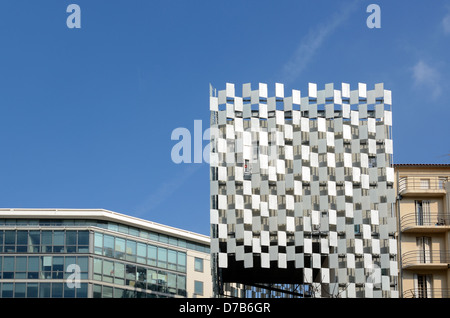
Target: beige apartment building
(423, 229)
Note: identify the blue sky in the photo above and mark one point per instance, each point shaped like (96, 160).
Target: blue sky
(87, 114)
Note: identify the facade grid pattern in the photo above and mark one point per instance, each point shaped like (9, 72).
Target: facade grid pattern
(305, 184)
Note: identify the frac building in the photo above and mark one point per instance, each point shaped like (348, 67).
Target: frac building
(302, 192)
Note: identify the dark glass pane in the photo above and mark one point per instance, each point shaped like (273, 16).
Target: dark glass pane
(83, 237)
(46, 237)
(57, 290)
(118, 293)
(21, 248)
(82, 290)
(82, 261)
(44, 290)
(10, 237)
(130, 274)
(97, 291)
(8, 263)
(69, 292)
(58, 249)
(58, 263)
(7, 290)
(33, 263)
(141, 277)
(21, 264)
(32, 290)
(58, 238)
(107, 292)
(71, 237)
(34, 241)
(22, 237)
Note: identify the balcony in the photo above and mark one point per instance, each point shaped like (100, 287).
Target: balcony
(427, 293)
(422, 185)
(422, 259)
(425, 222)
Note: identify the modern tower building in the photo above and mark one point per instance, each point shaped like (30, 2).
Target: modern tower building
(98, 253)
(302, 192)
(424, 229)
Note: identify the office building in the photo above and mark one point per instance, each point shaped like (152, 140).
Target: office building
(63, 253)
(302, 192)
(424, 229)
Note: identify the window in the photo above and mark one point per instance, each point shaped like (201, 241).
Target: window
(181, 285)
(108, 271)
(131, 251)
(423, 215)
(58, 242)
(108, 245)
(7, 290)
(8, 267)
(424, 248)
(151, 255)
(141, 275)
(83, 241)
(44, 290)
(22, 241)
(82, 261)
(152, 279)
(171, 283)
(130, 275)
(34, 241)
(182, 262)
(57, 290)
(162, 281)
(422, 286)
(46, 270)
(20, 290)
(97, 269)
(58, 267)
(198, 264)
(98, 243)
(21, 267)
(172, 259)
(120, 248)
(10, 241)
(97, 291)
(119, 273)
(162, 257)
(71, 241)
(141, 253)
(107, 292)
(32, 290)
(68, 292)
(198, 288)
(33, 267)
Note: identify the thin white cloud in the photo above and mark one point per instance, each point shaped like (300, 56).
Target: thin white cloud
(446, 23)
(427, 77)
(311, 43)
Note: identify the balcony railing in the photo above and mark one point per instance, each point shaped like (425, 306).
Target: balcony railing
(437, 220)
(427, 293)
(421, 184)
(424, 257)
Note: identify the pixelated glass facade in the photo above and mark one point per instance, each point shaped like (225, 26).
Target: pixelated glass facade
(302, 191)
